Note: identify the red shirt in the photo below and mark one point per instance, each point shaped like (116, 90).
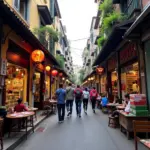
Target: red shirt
(20, 108)
(93, 91)
(79, 90)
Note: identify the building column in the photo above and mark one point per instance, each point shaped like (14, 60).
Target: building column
(3, 89)
(119, 76)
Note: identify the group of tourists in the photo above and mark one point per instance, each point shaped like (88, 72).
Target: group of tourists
(66, 97)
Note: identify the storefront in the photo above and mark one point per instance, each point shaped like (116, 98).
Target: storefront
(103, 84)
(113, 77)
(38, 86)
(17, 79)
(130, 80)
(47, 85)
(16, 84)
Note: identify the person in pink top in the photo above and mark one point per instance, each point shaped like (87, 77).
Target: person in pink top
(93, 97)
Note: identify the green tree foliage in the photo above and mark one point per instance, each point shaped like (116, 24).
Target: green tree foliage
(106, 7)
(81, 76)
(111, 19)
(60, 60)
(45, 32)
(101, 41)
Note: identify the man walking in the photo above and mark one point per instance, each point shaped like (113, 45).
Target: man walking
(61, 94)
(93, 97)
(78, 99)
(69, 99)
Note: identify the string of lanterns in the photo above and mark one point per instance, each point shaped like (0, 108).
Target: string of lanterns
(38, 57)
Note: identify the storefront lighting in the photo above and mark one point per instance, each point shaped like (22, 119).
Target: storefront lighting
(8, 82)
(54, 72)
(89, 79)
(22, 74)
(92, 78)
(37, 56)
(99, 70)
(63, 78)
(60, 74)
(48, 68)
(17, 69)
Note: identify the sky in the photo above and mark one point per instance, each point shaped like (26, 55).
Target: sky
(77, 16)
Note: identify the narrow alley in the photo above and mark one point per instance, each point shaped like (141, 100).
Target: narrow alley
(91, 132)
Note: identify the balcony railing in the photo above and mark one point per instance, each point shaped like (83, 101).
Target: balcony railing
(132, 6)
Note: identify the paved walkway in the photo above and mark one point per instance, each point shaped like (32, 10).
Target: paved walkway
(91, 132)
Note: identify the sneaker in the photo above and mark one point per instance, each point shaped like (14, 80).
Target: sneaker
(68, 114)
(85, 112)
(79, 116)
(94, 111)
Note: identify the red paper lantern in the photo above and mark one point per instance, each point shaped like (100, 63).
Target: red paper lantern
(99, 70)
(37, 56)
(54, 73)
(60, 74)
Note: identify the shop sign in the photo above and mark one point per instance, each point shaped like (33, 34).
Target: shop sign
(17, 83)
(112, 63)
(3, 67)
(128, 53)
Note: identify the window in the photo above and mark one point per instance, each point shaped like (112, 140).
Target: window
(22, 7)
(16, 4)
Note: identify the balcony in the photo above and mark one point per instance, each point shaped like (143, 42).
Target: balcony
(45, 14)
(44, 42)
(133, 8)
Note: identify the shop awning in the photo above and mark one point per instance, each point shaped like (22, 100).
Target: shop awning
(112, 42)
(12, 19)
(143, 18)
(45, 14)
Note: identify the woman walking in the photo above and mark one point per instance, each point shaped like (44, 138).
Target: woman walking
(86, 96)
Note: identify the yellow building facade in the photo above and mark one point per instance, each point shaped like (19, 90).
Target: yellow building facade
(24, 79)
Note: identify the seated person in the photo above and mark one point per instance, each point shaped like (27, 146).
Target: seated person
(104, 101)
(20, 106)
(127, 106)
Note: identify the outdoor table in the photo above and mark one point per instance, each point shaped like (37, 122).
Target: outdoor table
(19, 116)
(111, 107)
(120, 107)
(34, 110)
(126, 121)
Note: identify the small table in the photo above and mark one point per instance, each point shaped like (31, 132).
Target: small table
(34, 110)
(121, 107)
(126, 121)
(21, 115)
(111, 107)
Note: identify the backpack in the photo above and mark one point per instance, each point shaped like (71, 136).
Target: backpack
(86, 95)
(94, 95)
(78, 94)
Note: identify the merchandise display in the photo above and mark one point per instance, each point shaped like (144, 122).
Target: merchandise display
(15, 82)
(138, 105)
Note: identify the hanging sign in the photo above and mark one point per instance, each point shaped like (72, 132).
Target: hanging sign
(3, 69)
(99, 70)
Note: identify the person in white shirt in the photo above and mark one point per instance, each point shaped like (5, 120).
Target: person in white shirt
(86, 96)
(127, 106)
